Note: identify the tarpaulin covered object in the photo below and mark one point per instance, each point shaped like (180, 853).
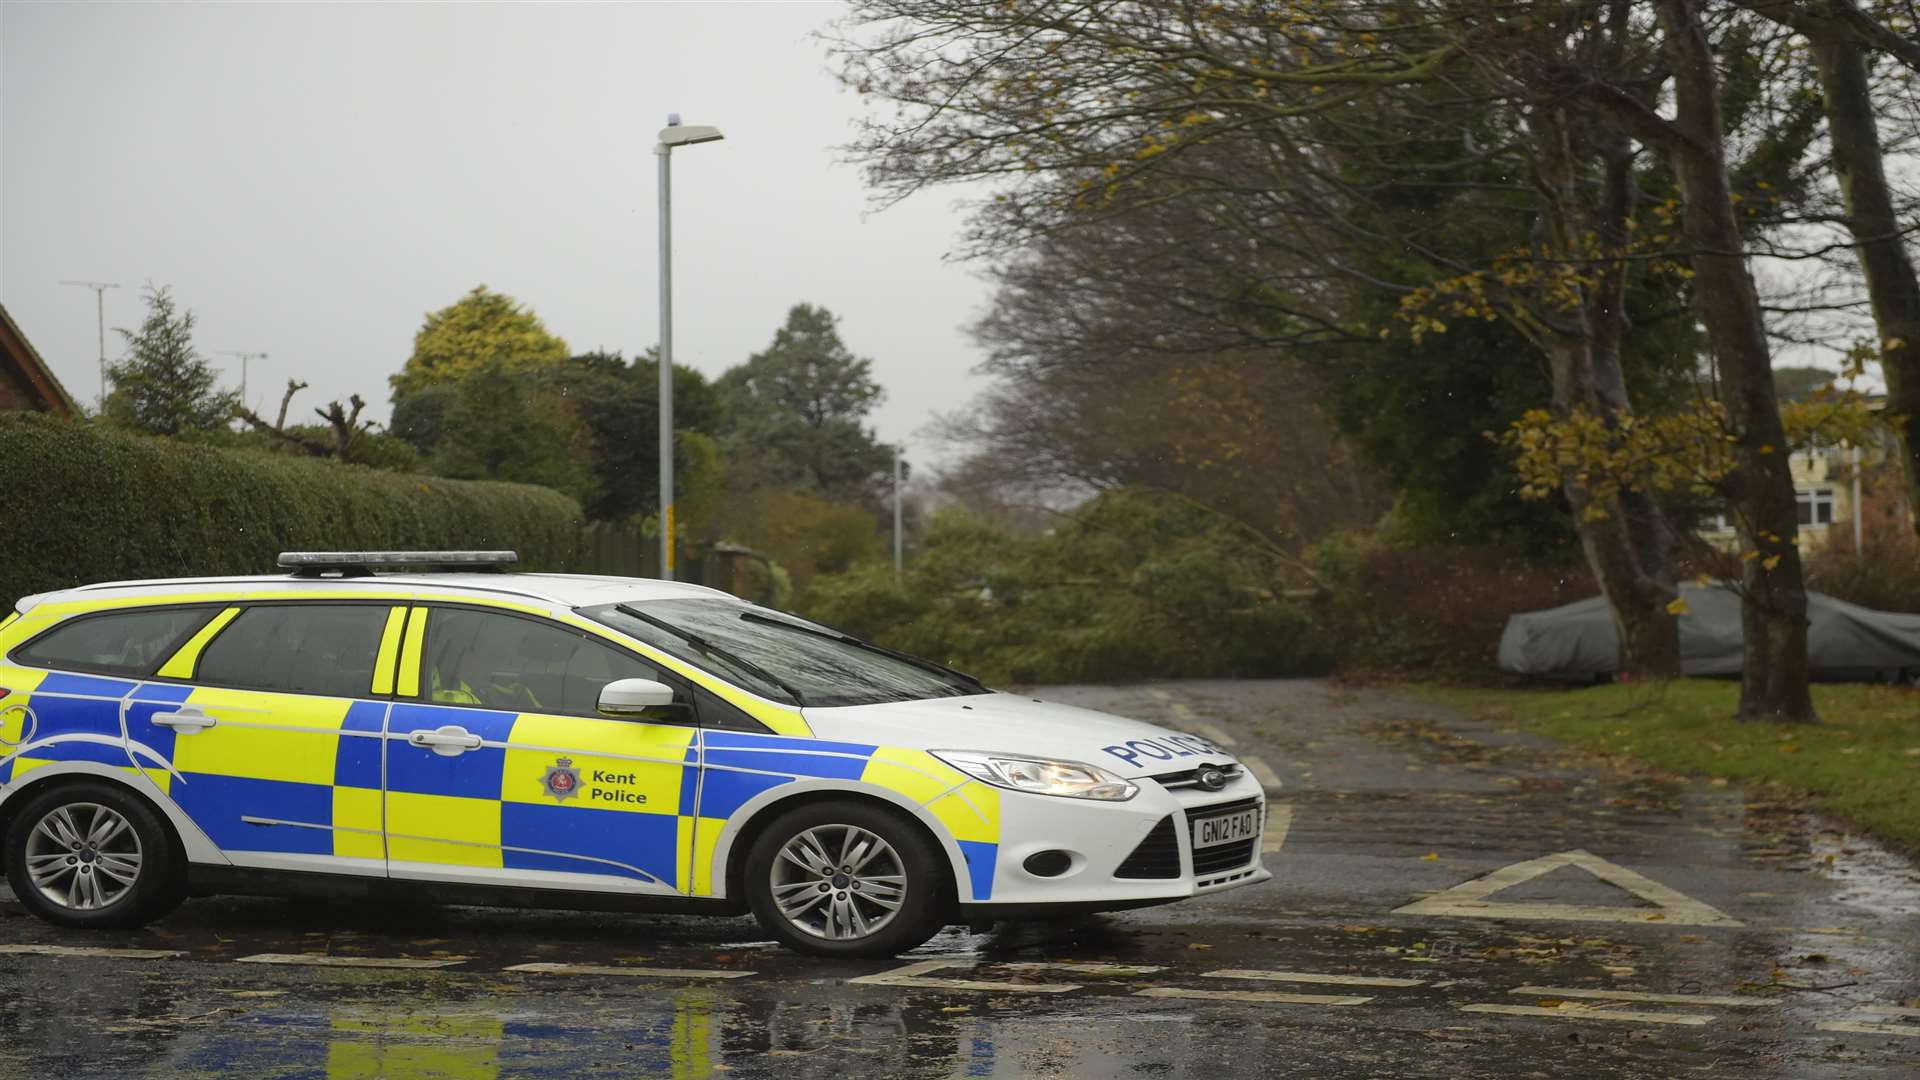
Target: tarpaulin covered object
(1846, 642)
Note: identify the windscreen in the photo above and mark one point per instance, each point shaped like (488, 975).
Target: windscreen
(781, 657)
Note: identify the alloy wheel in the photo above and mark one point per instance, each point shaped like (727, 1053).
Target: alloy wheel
(838, 882)
(83, 856)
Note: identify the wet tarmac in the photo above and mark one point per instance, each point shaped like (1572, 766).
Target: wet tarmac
(1448, 901)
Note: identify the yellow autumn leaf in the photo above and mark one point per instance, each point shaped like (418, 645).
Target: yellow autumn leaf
(1770, 561)
(1677, 606)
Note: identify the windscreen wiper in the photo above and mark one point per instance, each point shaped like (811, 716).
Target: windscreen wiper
(848, 639)
(704, 645)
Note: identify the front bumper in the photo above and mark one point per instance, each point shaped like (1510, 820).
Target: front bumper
(1131, 854)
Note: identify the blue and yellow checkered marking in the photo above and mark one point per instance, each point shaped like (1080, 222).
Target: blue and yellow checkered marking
(51, 717)
(493, 807)
(642, 811)
(311, 763)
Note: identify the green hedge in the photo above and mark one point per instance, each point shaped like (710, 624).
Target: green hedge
(82, 503)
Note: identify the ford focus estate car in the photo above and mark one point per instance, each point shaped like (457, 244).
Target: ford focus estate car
(568, 741)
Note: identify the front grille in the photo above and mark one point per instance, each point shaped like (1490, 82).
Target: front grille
(1209, 861)
(1214, 860)
(1158, 856)
(1190, 778)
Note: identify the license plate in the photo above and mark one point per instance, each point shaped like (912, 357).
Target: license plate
(1226, 829)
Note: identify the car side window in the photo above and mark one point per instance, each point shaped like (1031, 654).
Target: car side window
(123, 643)
(494, 661)
(327, 649)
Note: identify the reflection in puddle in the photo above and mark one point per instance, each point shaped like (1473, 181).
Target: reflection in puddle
(685, 1034)
(673, 1037)
(370, 1045)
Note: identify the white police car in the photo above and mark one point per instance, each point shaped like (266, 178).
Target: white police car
(569, 741)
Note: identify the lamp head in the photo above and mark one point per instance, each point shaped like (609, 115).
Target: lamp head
(675, 134)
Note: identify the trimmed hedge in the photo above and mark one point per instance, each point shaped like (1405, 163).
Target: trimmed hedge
(82, 503)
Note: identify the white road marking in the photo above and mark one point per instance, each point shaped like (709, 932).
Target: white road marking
(348, 961)
(1261, 997)
(1860, 1027)
(1279, 821)
(1262, 772)
(914, 976)
(1311, 977)
(1210, 732)
(1075, 967)
(1470, 898)
(87, 950)
(632, 972)
(1635, 995)
(1591, 1012)
(1191, 721)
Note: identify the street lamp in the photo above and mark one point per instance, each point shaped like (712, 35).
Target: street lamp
(245, 359)
(674, 134)
(100, 315)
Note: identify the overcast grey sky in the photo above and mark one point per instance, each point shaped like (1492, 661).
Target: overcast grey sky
(312, 180)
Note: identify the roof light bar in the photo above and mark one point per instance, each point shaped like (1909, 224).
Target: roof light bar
(361, 563)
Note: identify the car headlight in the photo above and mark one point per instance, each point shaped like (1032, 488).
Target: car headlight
(1042, 776)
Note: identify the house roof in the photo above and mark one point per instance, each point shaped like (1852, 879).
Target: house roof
(20, 359)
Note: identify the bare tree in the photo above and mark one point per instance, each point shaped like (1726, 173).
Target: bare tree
(1775, 671)
(1363, 147)
(344, 426)
(1842, 37)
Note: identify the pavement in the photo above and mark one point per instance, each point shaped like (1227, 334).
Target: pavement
(1449, 900)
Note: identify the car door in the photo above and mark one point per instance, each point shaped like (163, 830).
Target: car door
(269, 726)
(501, 770)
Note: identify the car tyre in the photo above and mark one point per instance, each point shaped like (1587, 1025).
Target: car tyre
(95, 856)
(846, 879)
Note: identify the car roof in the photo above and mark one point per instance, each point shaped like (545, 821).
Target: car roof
(556, 590)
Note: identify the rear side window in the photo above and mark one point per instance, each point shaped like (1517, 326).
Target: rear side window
(122, 643)
(325, 649)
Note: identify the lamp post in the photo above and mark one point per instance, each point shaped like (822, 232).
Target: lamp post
(245, 359)
(100, 321)
(674, 134)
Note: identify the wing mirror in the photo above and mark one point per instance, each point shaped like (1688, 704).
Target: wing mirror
(633, 697)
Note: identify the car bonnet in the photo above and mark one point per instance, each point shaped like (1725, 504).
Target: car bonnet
(1014, 724)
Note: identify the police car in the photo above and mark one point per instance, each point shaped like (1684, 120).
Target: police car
(375, 721)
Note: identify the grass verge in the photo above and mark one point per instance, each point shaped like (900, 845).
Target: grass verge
(1862, 764)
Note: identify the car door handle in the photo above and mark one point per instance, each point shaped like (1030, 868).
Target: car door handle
(187, 721)
(449, 740)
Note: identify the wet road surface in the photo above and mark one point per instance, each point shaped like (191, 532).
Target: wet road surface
(1448, 900)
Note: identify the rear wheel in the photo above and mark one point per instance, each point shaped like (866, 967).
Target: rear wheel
(845, 878)
(93, 855)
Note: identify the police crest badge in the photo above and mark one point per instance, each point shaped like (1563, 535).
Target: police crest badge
(562, 780)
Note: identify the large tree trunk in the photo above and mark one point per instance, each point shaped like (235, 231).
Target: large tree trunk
(1627, 545)
(1891, 284)
(1637, 584)
(1773, 683)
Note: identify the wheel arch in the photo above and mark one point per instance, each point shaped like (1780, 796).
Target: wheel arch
(730, 854)
(189, 843)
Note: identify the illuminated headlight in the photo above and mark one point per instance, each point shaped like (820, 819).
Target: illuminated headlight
(1040, 775)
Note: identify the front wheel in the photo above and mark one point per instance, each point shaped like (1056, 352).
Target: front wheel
(845, 878)
(92, 855)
